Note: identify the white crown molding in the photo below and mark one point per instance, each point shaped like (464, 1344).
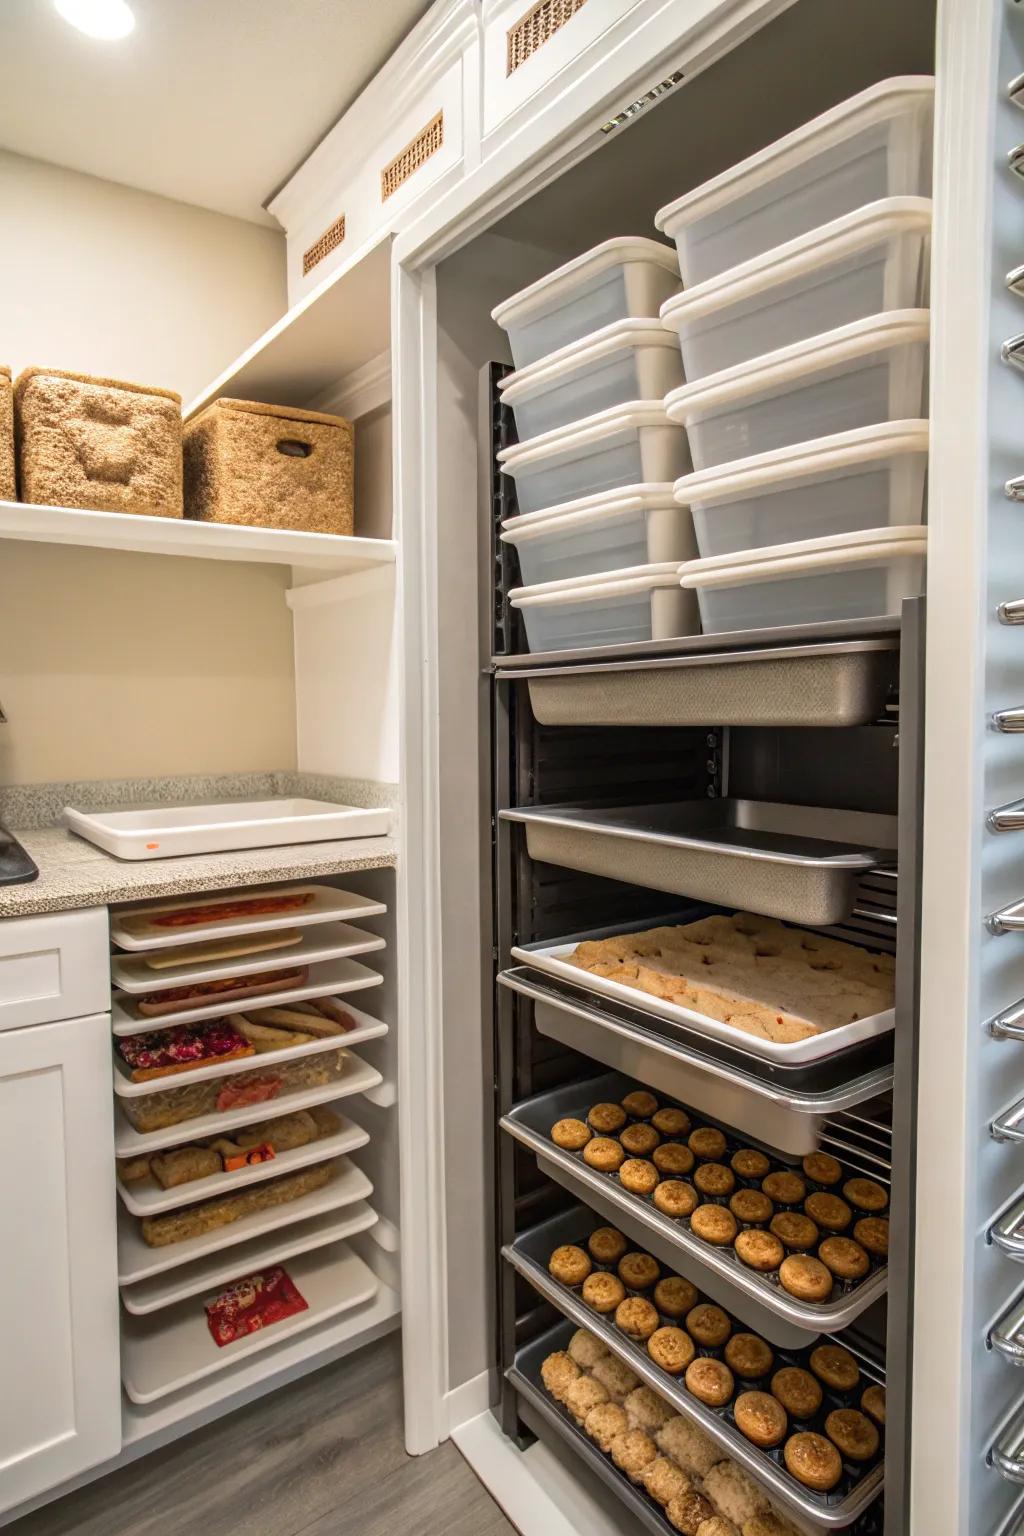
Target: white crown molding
(360, 392)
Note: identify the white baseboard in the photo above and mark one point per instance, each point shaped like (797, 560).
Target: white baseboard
(470, 1400)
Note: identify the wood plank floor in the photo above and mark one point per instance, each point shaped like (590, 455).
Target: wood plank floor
(323, 1457)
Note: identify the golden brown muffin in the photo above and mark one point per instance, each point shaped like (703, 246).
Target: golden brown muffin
(603, 1154)
(672, 1157)
(584, 1394)
(638, 1271)
(761, 1418)
(759, 1250)
(671, 1121)
(827, 1210)
(637, 1317)
(640, 1104)
(617, 1376)
(689, 1513)
(845, 1258)
(749, 1163)
(607, 1245)
(873, 1403)
(785, 1187)
(707, 1144)
(646, 1410)
(714, 1224)
(638, 1176)
(674, 1296)
(603, 1292)
(794, 1230)
(570, 1134)
(806, 1277)
(835, 1366)
(751, 1206)
(748, 1356)
(813, 1461)
(822, 1168)
(602, 1424)
(665, 1481)
(586, 1349)
(688, 1446)
(797, 1391)
(674, 1197)
(569, 1264)
(853, 1433)
(639, 1140)
(710, 1381)
(866, 1195)
(606, 1119)
(672, 1349)
(632, 1452)
(715, 1180)
(558, 1373)
(872, 1232)
(708, 1324)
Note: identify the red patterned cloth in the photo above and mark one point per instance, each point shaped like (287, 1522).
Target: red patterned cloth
(254, 1302)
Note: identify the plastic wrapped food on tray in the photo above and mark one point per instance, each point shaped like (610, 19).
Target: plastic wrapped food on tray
(170, 1106)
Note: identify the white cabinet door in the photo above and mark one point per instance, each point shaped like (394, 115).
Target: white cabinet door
(60, 1407)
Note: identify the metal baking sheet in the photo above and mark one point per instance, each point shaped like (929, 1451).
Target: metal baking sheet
(529, 1255)
(801, 864)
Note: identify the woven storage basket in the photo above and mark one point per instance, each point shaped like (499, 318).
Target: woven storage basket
(270, 466)
(7, 486)
(101, 444)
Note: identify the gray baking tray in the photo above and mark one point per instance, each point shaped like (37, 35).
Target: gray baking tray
(716, 1270)
(798, 863)
(799, 685)
(529, 1256)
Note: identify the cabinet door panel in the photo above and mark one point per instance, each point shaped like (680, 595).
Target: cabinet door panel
(61, 1408)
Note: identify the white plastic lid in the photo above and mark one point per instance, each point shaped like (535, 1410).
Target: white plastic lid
(771, 372)
(611, 253)
(603, 584)
(589, 510)
(805, 556)
(617, 337)
(888, 99)
(577, 435)
(873, 224)
(821, 456)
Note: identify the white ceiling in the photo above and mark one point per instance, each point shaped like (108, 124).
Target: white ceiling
(213, 102)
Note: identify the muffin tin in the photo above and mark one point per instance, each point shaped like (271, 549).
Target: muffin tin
(530, 1123)
(529, 1255)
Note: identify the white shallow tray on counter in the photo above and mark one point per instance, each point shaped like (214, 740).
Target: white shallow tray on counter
(147, 1198)
(329, 979)
(137, 1261)
(174, 1348)
(330, 941)
(328, 905)
(219, 1268)
(164, 832)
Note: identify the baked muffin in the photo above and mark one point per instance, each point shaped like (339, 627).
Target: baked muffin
(707, 1144)
(853, 1433)
(603, 1154)
(646, 1410)
(714, 1224)
(872, 1232)
(714, 1180)
(798, 1391)
(571, 1134)
(689, 1513)
(822, 1168)
(671, 1121)
(784, 1187)
(806, 1277)
(873, 1403)
(638, 1176)
(735, 1495)
(676, 1198)
(845, 1258)
(748, 1356)
(602, 1424)
(603, 1291)
(586, 1349)
(617, 1376)
(759, 1250)
(674, 1296)
(672, 1157)
(632, 1452)
(639, 1140)
(866, 1195)
(710, 1381)
(607, 1245)
(827, 1210)
(751, 1206)
(761, 1418)
(637, 1317)
(569, 1264)
(708, 1324)
(638, 1271)
(672, 1349)
(558, 1373)
(794, 1230)
(813, 1461)
(640, 1104)
(665, 1481)
(689, 1446)
(749, 1163)
(835, 1366)
(606, 1119)
(584, 1394)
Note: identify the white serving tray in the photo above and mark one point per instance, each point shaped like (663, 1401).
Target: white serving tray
(814, 1048)
(259, 1061)
(325, 980)
(163, 832)
(137, 1261)
(328, 905)
(330, 941)
(174, 1348)
(147, 1198)
(218, 1269)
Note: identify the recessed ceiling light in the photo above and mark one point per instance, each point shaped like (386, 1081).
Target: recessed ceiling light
(106, 19)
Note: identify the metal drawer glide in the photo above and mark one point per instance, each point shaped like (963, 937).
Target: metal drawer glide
(1007, 1335)
(1007, 1231)
(1008, 1025)
(1007, 1454)
(1009, 1126)
(1007, 920)
(1007, 818)
(1012, 612)
(1009, 721)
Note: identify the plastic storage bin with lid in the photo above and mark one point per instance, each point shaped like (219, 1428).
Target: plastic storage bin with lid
(627, 360)
(636, 525)
(621, 607)
(872, 371)
(861, 575)
(627, 278)
(865, 263)
(871, 477)
(630, 444)
(876, 145)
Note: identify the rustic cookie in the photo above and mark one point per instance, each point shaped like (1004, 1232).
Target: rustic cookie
(606, 1119)
(873, 1403)
(845, 1258)
(672, 1157)
(570, 1264)
(748, 1356)
(603, 1423)
(797, 1391)
(707, 1144)
(602, 1291)
(586, 1349)
(813, 1461)
(676, 1198)
(638, 1176)
(794, 1230)
(633, 1451)
(714, 1180)
(708, 1324)
(671, 1121)
(558, 1373)
(759, 1250)
(806, 1277)
(674, 1296)
(852, 1432)
(749, 1163)
(637, 1317)
(751, 1206)
(672, 1349)
(603, 1154)
(866, 1195)
(835, 1366)
(583, 1395)
(638, 1271)
(571, 1134)
(784, 1187)
(640, 1104)
(710, 1381)
(714, 1224)
(872, 1232)
(761, 1418)
(639, 1139)
(821, 1168)
(607, 1245)
(665, 1481)
(827, 1210)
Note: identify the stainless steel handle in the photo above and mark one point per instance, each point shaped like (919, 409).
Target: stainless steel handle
(1007, 1334)
(876, 914)
(1008, 1025)
(1007, 818)
(1015, 280)
(1015, 90)
(1007, 920)
(1009, 721)
(1007, 1232)
(1009, 1126)
(1014, 489)
(1015, 159)
(1012, 612)
(1007, 1454)
(1012, 350)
